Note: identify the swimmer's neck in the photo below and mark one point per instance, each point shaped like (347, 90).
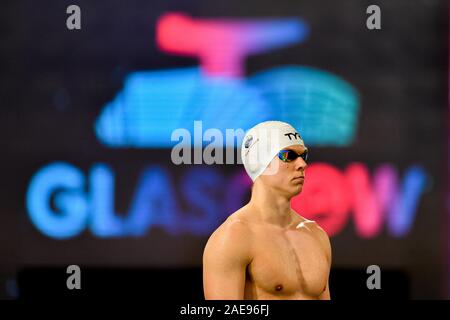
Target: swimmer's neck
(271, 207)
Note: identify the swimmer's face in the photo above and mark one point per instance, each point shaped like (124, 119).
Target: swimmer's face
(286, 177)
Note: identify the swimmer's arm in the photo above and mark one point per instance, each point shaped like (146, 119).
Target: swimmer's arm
(225, 259)
(325, 295)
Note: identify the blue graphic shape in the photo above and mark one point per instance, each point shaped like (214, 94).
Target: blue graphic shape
(65, 183)
(153, 104)
(322, 106)
(154, 204)
(402, 212)
(104, 222)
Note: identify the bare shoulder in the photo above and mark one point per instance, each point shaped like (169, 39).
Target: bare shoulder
(234, 228)
(317, 230)
(232, 237)
(322, 234)
(324, 238)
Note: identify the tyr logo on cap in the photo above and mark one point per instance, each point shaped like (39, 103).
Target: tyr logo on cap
(295, 134)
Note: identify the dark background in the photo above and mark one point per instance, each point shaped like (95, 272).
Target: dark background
(55, 81)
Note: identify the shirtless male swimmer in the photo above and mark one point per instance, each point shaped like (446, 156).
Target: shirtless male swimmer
(266, 250)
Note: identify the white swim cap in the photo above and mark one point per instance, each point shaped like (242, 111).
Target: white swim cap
(262, 143)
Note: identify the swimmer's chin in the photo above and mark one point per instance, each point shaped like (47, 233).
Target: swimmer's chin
(298, 190)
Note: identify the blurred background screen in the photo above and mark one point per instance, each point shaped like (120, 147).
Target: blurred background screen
(88, 117)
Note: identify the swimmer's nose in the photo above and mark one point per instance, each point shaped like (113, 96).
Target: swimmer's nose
(300, 164)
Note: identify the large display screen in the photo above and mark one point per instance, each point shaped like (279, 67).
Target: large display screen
(95, 123)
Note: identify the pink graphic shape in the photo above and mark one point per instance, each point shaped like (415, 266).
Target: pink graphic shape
(223, 44)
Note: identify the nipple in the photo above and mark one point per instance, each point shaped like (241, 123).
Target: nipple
(279, 287)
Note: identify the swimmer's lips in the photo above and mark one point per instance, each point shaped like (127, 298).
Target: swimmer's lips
(301, 179)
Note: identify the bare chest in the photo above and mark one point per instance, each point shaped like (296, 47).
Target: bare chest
(288, 263)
